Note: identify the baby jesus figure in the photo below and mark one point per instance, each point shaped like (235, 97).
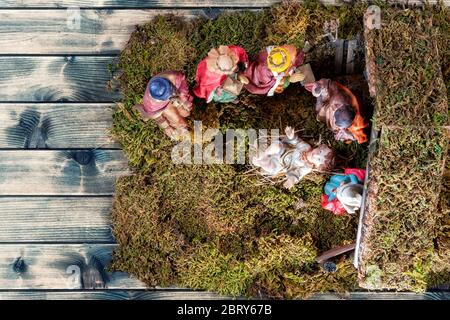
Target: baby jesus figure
(291, 159)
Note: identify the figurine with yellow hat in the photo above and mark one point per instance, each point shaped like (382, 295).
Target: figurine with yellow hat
(219, 77)
(167, 101)
(273, 69)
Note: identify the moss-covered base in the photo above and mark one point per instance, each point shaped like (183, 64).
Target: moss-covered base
(217, 227)
(405, 243)
(402, 215)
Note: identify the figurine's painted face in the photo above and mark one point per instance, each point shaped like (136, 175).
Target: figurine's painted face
(321, 157)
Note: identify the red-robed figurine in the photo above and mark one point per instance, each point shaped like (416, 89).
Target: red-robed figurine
(167, 101)
(219, 74)
(273, 69)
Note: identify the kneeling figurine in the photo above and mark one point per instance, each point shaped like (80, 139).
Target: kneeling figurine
(167, 101)
(339, 109)
(272, 70)
(343, 192)
(219, 77)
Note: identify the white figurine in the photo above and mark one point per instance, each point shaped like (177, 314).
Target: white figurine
(292, 158)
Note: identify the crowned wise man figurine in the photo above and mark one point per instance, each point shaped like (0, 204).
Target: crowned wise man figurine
(338, 108)
(167, 101)
(291, 158)
(219, 77)
(272, 70)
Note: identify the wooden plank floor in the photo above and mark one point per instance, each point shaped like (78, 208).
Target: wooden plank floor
(58, 163)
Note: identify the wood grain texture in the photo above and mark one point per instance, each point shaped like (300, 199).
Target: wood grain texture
(351, 56)
(64, 172)
(61, 219)
(166, 294)
(56, 79)
(158, 3)
(85, 31)
(62, 31)
(110, 295)
(56, 126)
(140, 3)
(339, 55)
(59, 266)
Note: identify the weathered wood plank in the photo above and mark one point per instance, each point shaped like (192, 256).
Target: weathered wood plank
(339, 55)
(167, 294)
(56, 126)
(56, 266)
(139, 3)
(82, 267)
(57, 78)
(65, 219)
(156, 3)
(109, 295)
(64, 172)
(351, 56)
(86, 31)
(67, 32)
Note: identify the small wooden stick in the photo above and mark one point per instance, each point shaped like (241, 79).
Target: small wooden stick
(335, 252)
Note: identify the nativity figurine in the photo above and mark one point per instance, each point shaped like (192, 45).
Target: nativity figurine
(291, 158)
(219, 77)
(338, 108)
(272, 70)
(167, 101)
(343, 192)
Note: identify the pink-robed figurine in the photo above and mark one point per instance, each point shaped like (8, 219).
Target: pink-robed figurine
(219, 74)
(167, 101)
(273, 69)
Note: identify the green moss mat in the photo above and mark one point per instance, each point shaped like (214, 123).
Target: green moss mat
(440, 267)
(408, 68)
(215, 227)
(405, 245)
(404, 186)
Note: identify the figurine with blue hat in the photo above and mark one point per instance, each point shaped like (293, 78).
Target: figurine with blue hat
(167, 101)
